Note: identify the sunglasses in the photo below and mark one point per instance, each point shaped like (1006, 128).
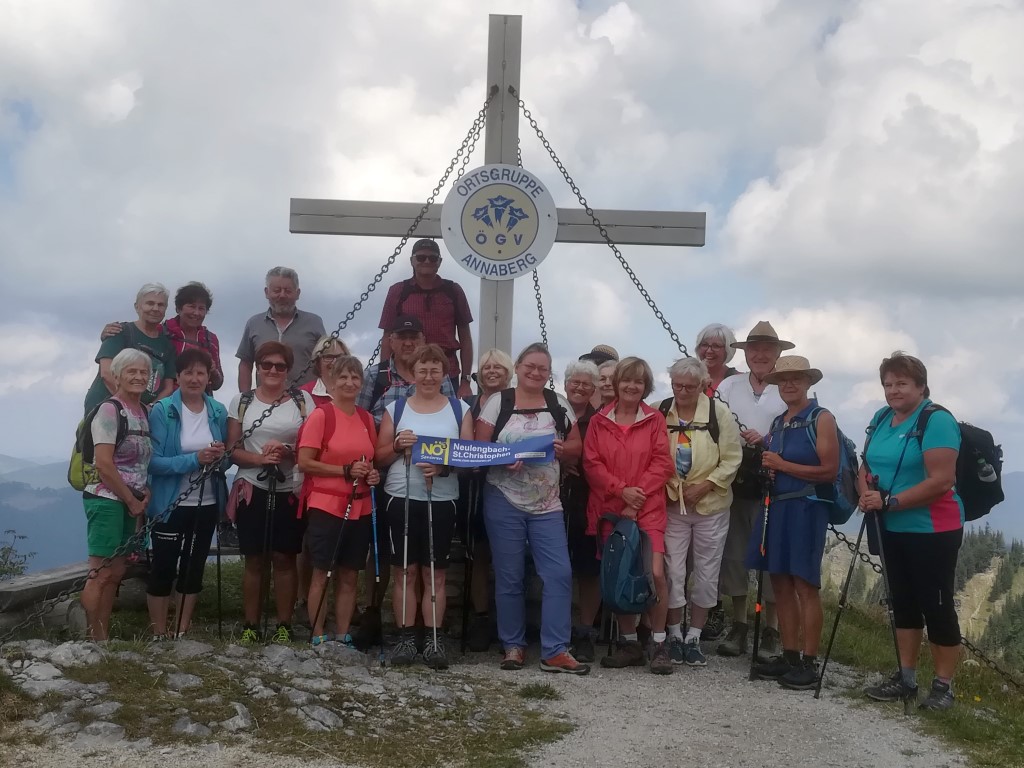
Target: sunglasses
(266, 365)
(433, 258)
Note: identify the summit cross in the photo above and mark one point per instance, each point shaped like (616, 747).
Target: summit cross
(501, 145)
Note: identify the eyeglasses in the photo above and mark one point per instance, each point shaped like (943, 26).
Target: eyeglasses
(579, 385)
(433, 258)
(685, 387)
(330, 358)
(266, 365)
(708, 346)
(533, 368)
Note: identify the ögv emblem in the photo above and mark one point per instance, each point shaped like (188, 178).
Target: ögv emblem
(499, 221)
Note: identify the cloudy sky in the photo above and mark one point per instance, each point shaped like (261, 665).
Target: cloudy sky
(858, 161)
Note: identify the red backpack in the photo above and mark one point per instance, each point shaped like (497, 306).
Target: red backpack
(330, 424)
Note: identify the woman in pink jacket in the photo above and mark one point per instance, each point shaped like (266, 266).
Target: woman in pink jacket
(627, 463)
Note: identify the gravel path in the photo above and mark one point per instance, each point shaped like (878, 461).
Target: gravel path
(712, 717)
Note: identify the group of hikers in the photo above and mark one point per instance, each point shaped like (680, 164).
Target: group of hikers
(723, 478)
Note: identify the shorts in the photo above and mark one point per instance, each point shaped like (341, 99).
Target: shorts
(734, 577)
(285, 529)
(109, 527)
(419, 541)
(470, 488)
(336, 542)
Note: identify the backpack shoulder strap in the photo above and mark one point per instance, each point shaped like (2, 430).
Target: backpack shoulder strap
(300, 401)
(367, 418)
(244, 401)
(713, 428)
(380, 383)
(922, 421)
(870, 430)
(408, 286)
(399, 410)
(812, 423)
(508, 405)
(456, 405)
(330, 424)
(665, 406)
(558, 412)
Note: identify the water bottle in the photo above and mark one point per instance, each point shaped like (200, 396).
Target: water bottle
(986, 472)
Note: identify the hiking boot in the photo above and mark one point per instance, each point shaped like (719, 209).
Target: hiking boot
(583, 649)
(693, 655)
(628, 653)
(478, 637)
(802, 677)
(249, 636)
(939, 697)
(370, 633)
(404, 652)
(676, 650)
(769, 645)
(892, 689)
(435, 655)
(318, 640)
(283, 635)
(513, 660)
(773, 669)
(661, 664)
(564, 662)
(735, 643)
(714, 627)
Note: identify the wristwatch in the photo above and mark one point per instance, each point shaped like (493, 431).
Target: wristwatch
(467, 378)
(894, 502)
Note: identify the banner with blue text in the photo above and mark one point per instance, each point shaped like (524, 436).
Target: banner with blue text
(474, 453)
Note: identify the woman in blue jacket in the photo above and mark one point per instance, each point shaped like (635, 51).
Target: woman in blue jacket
(188, 430)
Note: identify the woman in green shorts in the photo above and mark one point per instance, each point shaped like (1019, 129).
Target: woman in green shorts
(120, 434)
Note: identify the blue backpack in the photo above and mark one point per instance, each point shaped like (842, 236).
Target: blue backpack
(842, 492)
(627, 585)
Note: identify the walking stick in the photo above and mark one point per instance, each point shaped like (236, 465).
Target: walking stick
(430, 554)
(758, 607)
(220, 611)
(376, 560)
(334, 556)
(405, 544)
(843, 595)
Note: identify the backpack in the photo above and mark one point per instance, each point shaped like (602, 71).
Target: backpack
(81, 470)
(841, 494)
(551, 405)
(979, 463)
(330, 425)
(247, 397)
(409, 287)
(627, 583)
(455, 403)
(711, 427)
(381, 384)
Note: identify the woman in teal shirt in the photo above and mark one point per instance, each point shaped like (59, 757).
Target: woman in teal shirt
(909, 476)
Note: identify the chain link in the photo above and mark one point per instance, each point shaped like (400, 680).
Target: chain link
(682, 347)
(536, 282)
(460, 159)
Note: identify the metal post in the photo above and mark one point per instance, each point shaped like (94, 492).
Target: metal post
(501, 144)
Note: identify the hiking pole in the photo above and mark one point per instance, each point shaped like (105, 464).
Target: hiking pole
(189, 565)
(843, 596)
(873, 485)
(467, 574)
(405, 545)
(220, 612)
(430, 554)
(376, 560)
(272, 473)
(758, 607)
(334, 555)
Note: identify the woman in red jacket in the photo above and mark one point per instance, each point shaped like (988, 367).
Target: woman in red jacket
(626, 461)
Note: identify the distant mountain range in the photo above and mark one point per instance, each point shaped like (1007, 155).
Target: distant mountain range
(37, 502)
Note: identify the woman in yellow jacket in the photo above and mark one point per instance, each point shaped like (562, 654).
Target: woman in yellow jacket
(705, 446)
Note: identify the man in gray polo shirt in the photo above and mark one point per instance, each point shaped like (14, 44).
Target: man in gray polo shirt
(283, 322)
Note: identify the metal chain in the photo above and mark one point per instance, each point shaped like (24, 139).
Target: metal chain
(462, 154)
(682, 347)
(536, 282)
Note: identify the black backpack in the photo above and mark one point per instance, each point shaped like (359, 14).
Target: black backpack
(979, 464)
(409, 287)
(711, 427)
(551, 405)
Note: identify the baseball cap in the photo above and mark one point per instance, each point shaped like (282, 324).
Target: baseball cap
(406, 323)
(426, 244)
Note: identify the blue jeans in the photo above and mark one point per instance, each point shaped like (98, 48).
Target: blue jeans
(510, 531)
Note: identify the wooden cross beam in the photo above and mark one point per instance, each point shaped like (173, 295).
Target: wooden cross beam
(501, 144)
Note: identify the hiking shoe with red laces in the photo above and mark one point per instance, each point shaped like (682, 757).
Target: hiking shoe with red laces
(564, 662)
(513, 660)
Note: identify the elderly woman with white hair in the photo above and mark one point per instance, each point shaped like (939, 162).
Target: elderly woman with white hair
(146, 334)
(328, 349)
(714, 348)
(705, 446)
(117, 496)
(581, 379)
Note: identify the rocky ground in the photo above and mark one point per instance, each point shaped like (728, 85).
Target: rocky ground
(201, 705)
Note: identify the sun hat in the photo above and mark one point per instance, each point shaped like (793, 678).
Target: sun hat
(793, 364)
(763, 331)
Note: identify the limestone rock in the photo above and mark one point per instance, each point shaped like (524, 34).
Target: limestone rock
(186, 727)
(320, 718)
(103, 710)
(242, 721)
(72, 654)
(180, 680)
(190, 649)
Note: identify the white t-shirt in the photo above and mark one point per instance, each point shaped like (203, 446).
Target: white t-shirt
(283, 425)
(534, 488)
(439, 424)
(754, 413)
(195, 435)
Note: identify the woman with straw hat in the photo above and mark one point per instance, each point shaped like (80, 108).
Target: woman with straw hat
(801, 451)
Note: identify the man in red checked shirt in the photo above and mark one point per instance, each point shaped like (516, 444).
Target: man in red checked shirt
(440, 305)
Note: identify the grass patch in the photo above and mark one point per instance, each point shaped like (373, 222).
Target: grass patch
(987, 722)
(541, 691)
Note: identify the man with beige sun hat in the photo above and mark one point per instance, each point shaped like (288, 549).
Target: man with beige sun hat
(756, 403)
